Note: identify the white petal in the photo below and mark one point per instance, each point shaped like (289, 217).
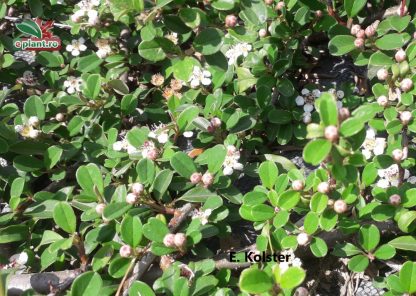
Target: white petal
(206, 81)
(308, 107)
(383, 183)
(194, 83)
(69, 47)
(227, 171)
(406, 174)
(206, 73)
(339, 104)
(300, 101)
(163, 138)
(238, 166)
(371, 133)
(366, 153)
(82, 47)
(75, 52)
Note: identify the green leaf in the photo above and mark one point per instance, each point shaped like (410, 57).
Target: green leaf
(369, 237)
(358, 263)
(316, 151)
(268, 173)
(392, 41)
(118, 86)
(223, 4)
(64, 217)
(385, 252)
(209, 41)
(190, 16)
(89, 283)
(88, 177)
(161, 183)
(183, 164)
(255, 281)
(311, 222)
(186, 117)
(245, 79)
(288, 200)
(328, 109)
(215, 157)
(141, 289)
(50, 59)
(318, 247)
(353, 7)
(27, 163)
(155, 230)
(152, 51)
(14, 233)
(115, 210)
(75, 125)
(146, 171)
(183, 69)
(197, 194)
(52, 156)
(292, 278)
(406, 242)
(131, 230)
(34, 107)
(406, 221)
(92, 86)
(341, 44)
(29, 27)
(351, 126)
(407, 276)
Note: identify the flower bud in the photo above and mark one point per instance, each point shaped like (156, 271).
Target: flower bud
(280, 5)
(33, 121)
(269, 2)
(262, 33)
(302, 238)
(195, 178)
(302, 291)
(370, 31)
(207, 179)
(400, 55)
(210, 128)
(355, 29)
(397, 155)
(126, 251)
(137, 188)
(343, 114)
(359, 42)
(180, 240)
(406, 84)
(169, 240)
(323, 187)
(230, 21)
(216, 122)
(405, 117)
(131, 198)
(382, 74)
(298, 185)
(319, 13)
(340, 206)
(331, 133)
(60, 117)
(383, 101)
(99, 208)
(395, 199)
(361, 34)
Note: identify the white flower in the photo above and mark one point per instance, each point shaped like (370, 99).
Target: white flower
(34, 133)
(188, 134)
(104, 48)
(200, 76)
(160, 133)
(340, 94)
(76, 46)
(33, 121)
(124, 145)
(390, 176)
(372, 145)
(3, 162)
(87, 10)
(20, 259)
(203, 215)
(72, 84)
(231, 162)
(234, 52)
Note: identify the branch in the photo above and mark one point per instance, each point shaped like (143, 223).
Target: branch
(42, 283)
(18, 20)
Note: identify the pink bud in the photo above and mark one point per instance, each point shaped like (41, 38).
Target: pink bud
(359, 42)
(298, 185)
(180, 240)
(302, 238)
(397, 155)
(382, 74)
(152, 154)
(340, 206)
(360, 34)
(59, 117)
(406, 84)
(400, 55)
(210, 128)
(355, 29)
(269, 2)
(319, 13)
(131, 198)
(331, 133)
(262, 33)
(230, 21)
(343, 114)
(216, 122)
(405, 117)
(382, 101)
(169, 240)
(280, 5)
(137, 188)
(207, 179)
(323, 187)
(126, 251)
(196, 178)
(370, 31)
(395, 200)
(99, 208)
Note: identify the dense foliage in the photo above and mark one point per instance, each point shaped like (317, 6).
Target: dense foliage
(133, 142)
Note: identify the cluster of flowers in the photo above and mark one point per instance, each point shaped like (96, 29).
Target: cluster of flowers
(240, 49)
(78, 45)
(174, 88)
(17, 260)
(29, 130)
(88, 11)
(231, 161)
(200, 77)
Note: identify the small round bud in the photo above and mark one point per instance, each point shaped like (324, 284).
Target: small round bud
(280, 5)
(400, 55)
(383, 101)
(319, 13)
(269, 2)
(99, 208)
(406, 84)
(126, 251)
(340, 206)
(207, 179)
(302, 238)
(169, 240)
(397, 155)
(131, 198)
(195, 178)
(370, 31)
(355, 29)
(33, 121)
(301, 291)
(405, 117)
(359, 42)
(343, 114)
(298, 185)
(230, 21)
(60, 117)
(216, 122)
(331, 133)
(361, 34)
(323, 187)
(262, 33)
(137, 188)
(382, 74)
(180, 240)
(395, 199)
(276, 209)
